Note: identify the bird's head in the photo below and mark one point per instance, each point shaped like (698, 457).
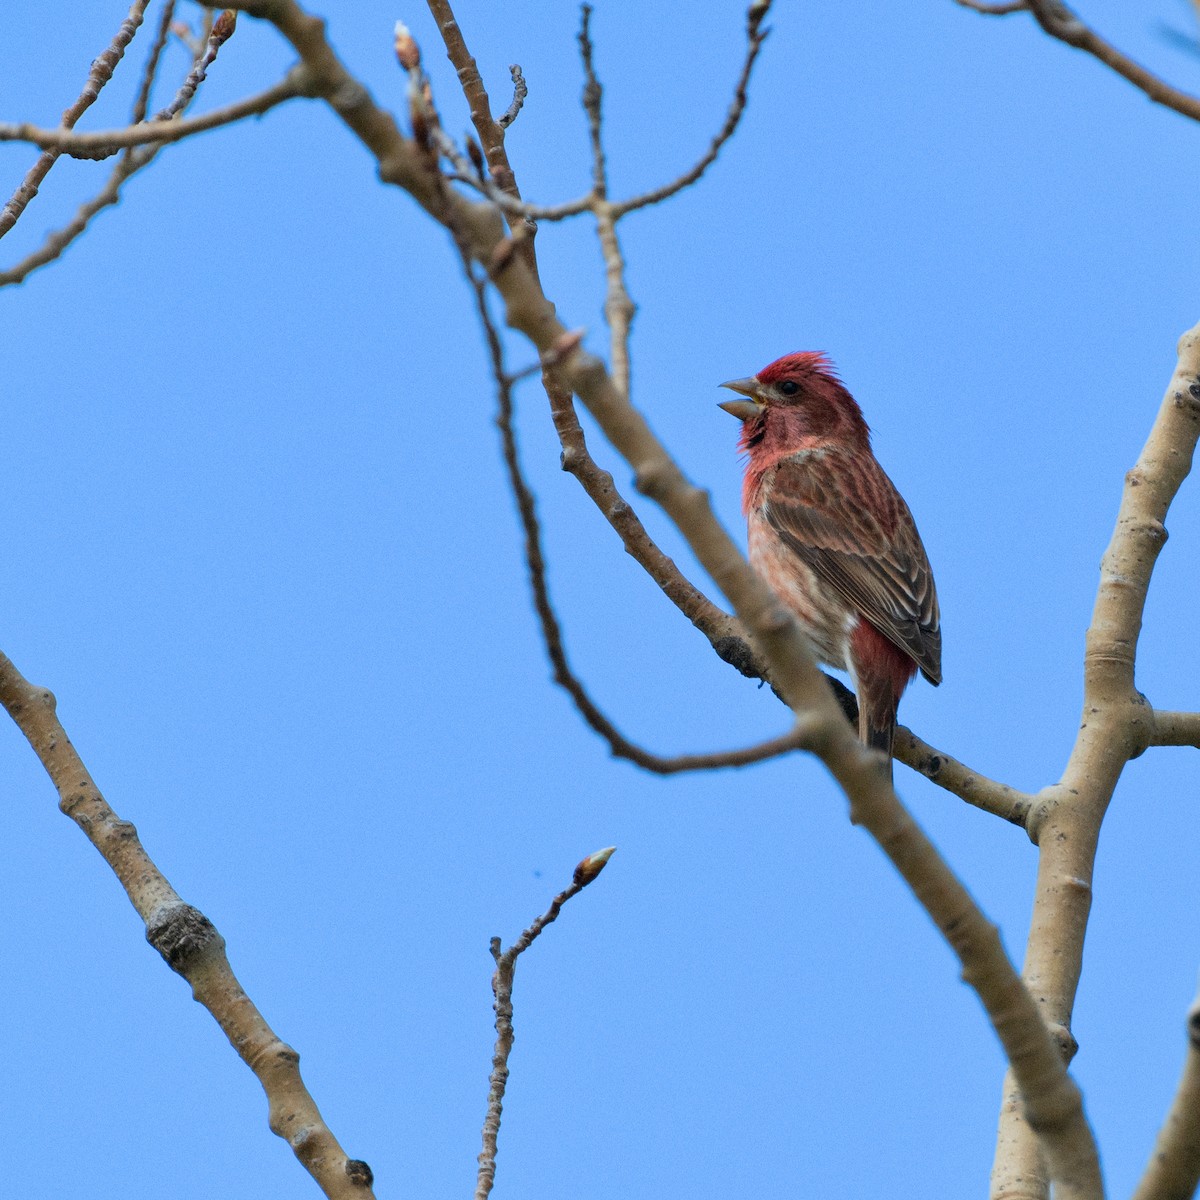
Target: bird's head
(797, 399)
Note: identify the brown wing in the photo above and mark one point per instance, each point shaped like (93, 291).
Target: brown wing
(843, 516)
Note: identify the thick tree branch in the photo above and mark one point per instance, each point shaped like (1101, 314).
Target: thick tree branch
(1117, 724)
(1173, 1171)
(188, 942)
(502, 989)
(1176, 729)
(1052, 1102)
(723, 631)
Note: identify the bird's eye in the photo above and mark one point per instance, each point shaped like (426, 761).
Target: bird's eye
(789, 387)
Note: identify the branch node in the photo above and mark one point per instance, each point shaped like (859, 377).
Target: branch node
(182, 934)
(1064, 1039)
(564, 347)
(652, 479)
(737, 653)
(359, 1173)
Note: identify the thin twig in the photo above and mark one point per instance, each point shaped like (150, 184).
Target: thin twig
(520, 92)
(100, 73)
(133, 160)
(107, 142)
(755, 36)
(490, 131)
(58, 241)
(1176, 729)
(1062, 23)
(619, 309)
(1173, 1171)
(593, 93)
(221, 31)
(947, 772)
(141, 104)
(188, 942)
(502, 989)
(999, 9)
(473, 89)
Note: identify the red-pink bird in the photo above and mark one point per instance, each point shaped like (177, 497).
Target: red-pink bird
(833, 537)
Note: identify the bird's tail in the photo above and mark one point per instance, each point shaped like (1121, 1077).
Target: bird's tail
(877, 724)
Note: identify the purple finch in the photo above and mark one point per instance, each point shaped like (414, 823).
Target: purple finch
(833, 537)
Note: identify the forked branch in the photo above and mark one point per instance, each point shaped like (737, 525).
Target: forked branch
(535, 563)
(1117, 724)
(135, 158)
(100, 73)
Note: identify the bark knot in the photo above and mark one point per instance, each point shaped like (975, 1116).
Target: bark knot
(182, 935)
(360, 1174)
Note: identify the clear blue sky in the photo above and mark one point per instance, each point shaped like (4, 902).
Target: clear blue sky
(257, 540)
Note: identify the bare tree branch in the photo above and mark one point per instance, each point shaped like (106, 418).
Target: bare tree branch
(619, 745)
(101, 72)
(150, 72)
(1117, 724)
(502, 989)
(134, 159)
(999, 9)
(491, 132)
(947, 772)
(107, 142)
(619, 309)
(1052, 1103)
(1176, 729)
(60, 239)
(722, 630)
(520, 92)
(1173, 1171)
(188, 942)
(221, 31)
(755, 36)
(1062, 23)
(473, 88)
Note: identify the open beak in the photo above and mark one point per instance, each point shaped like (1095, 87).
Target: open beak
(744, 410)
